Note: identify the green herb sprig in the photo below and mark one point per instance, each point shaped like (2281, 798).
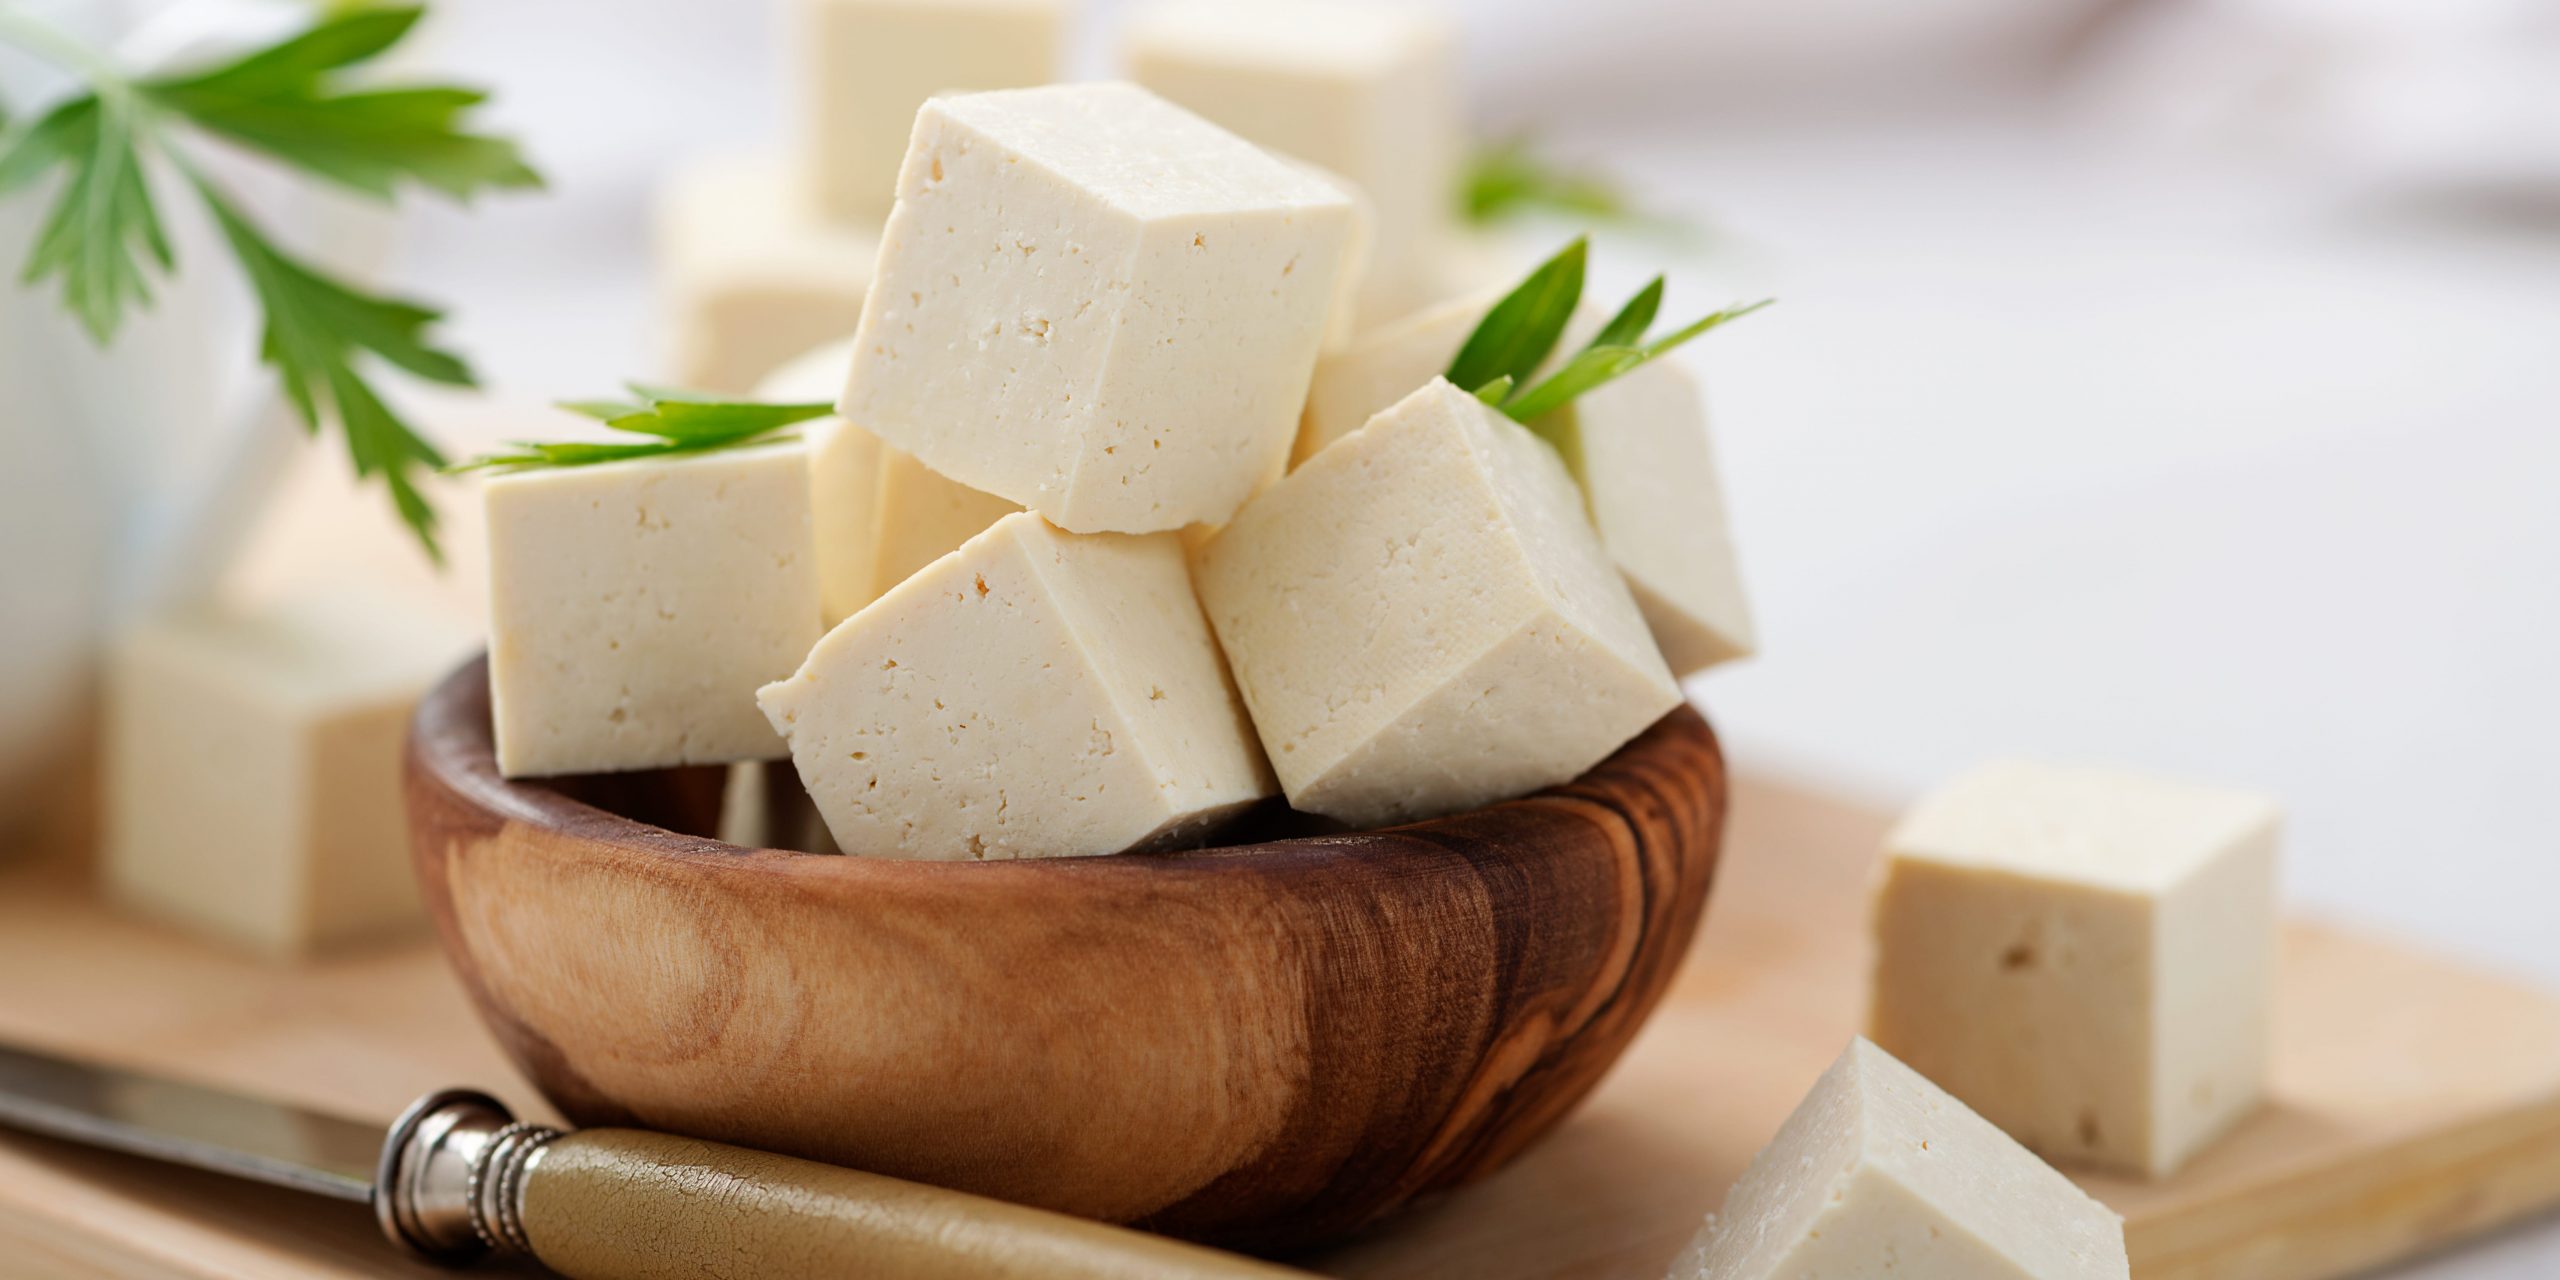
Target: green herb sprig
(1509, 178)
(1498, 359)
(103, 242)
(676, 422)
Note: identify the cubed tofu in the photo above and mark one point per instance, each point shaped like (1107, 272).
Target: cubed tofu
(1342, 322)
(879, 514)
(750, 276)
(2085, 956)
(1034, 694)
(1097, 305)
(866, 65)
(1422, 620)
(1637, 445)
(1880, 1173)
(253, 765)
(1368, 91)
(635, 608)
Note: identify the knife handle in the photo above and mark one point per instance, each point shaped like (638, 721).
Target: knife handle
(460, 1179)
(621, 1204)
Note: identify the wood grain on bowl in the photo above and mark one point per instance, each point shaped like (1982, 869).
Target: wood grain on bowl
(1266, 1046)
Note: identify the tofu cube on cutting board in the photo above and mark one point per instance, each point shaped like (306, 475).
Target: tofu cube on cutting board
(253, 765)
(750, 275)
(1094, 303)
(1368, 91)
(879, 514)
(866, 65)
(1880, 1173)
(1422, 620)
(1637, 445)
(1034, 694)
(635, 608)
(2087, 957)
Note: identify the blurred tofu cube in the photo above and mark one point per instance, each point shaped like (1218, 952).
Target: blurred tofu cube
(1035, 694)
(1638, 446)
(1879, 1173)
(866, 65)
(2086, 957)
(635, 607)
(1368, 91)
(1422, 620)
(253, 788)
(879, 514)
(750, 276)
(1097, 305)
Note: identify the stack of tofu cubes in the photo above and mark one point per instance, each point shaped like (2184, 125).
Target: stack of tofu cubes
(1049, 585)
(765, 256)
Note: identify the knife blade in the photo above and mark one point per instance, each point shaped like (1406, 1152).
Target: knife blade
(457, 1178)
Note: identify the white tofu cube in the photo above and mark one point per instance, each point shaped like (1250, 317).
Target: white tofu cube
(1034, 694)
(866, 65)
(1879, 1173)
(749, 276)
(253, 786)
(1638, 446)
(635, 608)
(879, 514)
(1097, 305)
(2086, 957)
(1422, 620)
(1369, 91)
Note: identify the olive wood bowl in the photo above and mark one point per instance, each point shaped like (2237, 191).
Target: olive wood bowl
(1266, 1045)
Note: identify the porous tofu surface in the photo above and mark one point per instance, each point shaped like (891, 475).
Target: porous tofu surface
(2086, 956)
(1034, 693)
(1422, 620)
(1369, 91)
(1095, 304)
(1880, 1173)
(879, 514)
(635, 607)
(1638, 446)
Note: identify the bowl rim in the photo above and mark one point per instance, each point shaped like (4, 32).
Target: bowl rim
(452, 738)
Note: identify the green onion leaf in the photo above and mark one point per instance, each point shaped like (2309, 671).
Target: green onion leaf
(1516, 336)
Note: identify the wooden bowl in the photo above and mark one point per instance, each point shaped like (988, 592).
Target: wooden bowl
(1266, 1046)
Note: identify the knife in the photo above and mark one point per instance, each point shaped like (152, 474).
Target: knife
(458, 1179)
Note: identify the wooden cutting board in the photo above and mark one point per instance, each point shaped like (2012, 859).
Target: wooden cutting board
(2417, 1101)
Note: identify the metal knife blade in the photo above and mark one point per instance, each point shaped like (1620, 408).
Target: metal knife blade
(188, 1124)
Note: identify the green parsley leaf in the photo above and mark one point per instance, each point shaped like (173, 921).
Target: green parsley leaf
(283, 101)
(104, 229)
(103, 225)
(682, 422)
(1516, 336)
(316, 327)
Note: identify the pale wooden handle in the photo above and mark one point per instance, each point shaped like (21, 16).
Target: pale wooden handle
(620, 1204)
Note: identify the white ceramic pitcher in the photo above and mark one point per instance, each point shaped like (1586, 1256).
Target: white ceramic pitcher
(129, 475)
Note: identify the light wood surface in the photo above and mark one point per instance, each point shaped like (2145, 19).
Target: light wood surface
(2418, 1100)
(1267, 1045)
